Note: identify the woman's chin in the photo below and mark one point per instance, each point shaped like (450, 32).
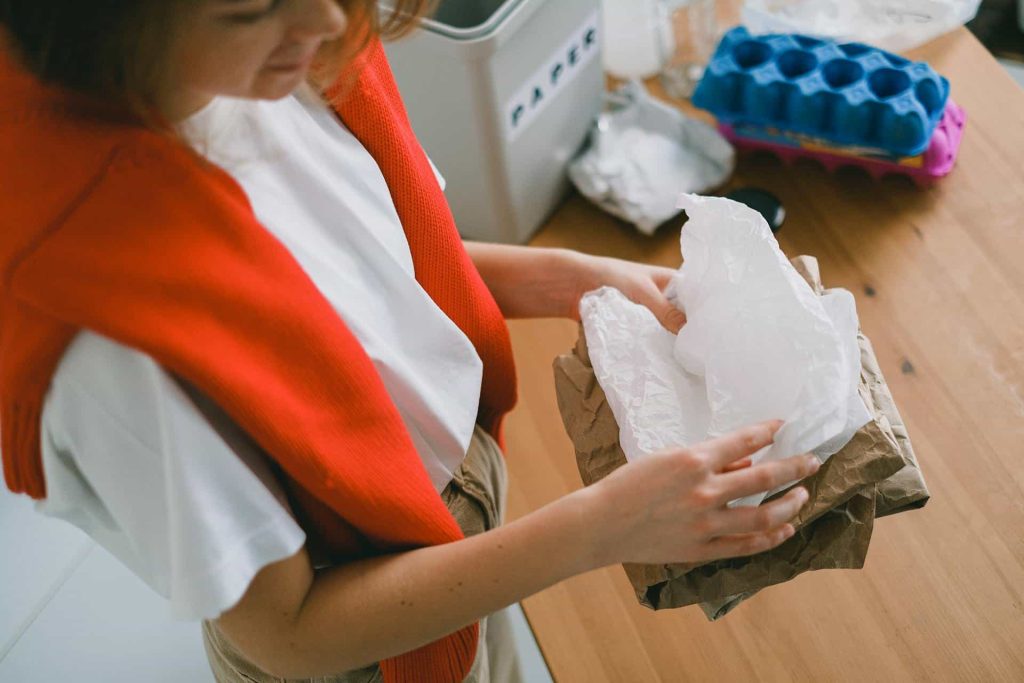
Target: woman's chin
(274, 85)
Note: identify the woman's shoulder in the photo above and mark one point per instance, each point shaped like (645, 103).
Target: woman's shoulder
(55, 159)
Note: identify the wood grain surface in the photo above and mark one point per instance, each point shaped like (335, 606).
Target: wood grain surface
(939, 279)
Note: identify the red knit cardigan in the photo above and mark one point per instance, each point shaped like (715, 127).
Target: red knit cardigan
(126, 232)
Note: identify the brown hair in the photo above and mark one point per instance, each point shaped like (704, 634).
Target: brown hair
(113, 49)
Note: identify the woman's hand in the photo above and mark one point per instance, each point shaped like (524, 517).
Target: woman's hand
(671, 506)
(641, 283)
(537, 282)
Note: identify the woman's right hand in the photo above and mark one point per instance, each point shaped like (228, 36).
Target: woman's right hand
(671, 506)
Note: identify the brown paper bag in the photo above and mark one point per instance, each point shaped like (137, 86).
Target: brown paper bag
(836, 540)
(834, 527)
(824, 539)
(904, 490)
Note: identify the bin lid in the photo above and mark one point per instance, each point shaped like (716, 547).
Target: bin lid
(467, 19)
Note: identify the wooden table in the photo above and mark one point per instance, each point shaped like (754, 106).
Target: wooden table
(939, 280)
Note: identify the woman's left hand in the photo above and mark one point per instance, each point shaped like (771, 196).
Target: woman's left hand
(641, 283)
(538, 282)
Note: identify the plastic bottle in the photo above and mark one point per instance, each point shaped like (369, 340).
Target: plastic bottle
(693, 34)
(636, 37)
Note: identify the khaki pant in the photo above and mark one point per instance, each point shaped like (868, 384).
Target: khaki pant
(476, 498)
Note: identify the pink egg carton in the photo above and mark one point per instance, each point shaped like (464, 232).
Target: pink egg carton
(925, 168)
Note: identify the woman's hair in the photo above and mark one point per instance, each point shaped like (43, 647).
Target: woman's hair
(114, 49)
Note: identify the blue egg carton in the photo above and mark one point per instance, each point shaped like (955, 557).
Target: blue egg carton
(846, 93)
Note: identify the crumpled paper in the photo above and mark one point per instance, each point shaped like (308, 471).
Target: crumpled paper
(642, 154)
(874, 474)
(894, 25)
(758, 344)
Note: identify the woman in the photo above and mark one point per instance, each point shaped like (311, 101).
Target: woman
(245, 350)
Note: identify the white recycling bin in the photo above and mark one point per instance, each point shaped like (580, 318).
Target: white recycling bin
(501, 94)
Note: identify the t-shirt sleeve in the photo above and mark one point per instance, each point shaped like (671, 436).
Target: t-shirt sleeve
(131, 460)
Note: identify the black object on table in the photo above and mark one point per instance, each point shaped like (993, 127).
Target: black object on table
(762, 201)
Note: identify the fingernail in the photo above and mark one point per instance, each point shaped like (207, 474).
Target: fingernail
(802, 495)
(676, 320)
(813, 463)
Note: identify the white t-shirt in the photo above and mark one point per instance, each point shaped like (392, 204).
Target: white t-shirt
(130, 459)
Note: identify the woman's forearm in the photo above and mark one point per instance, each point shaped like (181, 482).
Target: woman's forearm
(528, 282)
(362, 612)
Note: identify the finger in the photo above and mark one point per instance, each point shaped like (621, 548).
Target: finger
(738, 465)
(669, 288)
(747, 544)
(662, 276)
(764, 477)
(752, 519)
(670, 317)
(738, 444)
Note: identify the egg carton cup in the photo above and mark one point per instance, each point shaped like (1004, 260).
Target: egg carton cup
(925, 168)
(845, 93)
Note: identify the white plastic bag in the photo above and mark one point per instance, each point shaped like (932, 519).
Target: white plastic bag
(643, 154)
(894, 25)
(758, 344)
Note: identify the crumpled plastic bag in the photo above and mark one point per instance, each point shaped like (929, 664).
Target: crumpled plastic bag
(758, 344)
(642, 154)
(894, 25)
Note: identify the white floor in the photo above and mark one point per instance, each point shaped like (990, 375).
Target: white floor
(70, 612)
